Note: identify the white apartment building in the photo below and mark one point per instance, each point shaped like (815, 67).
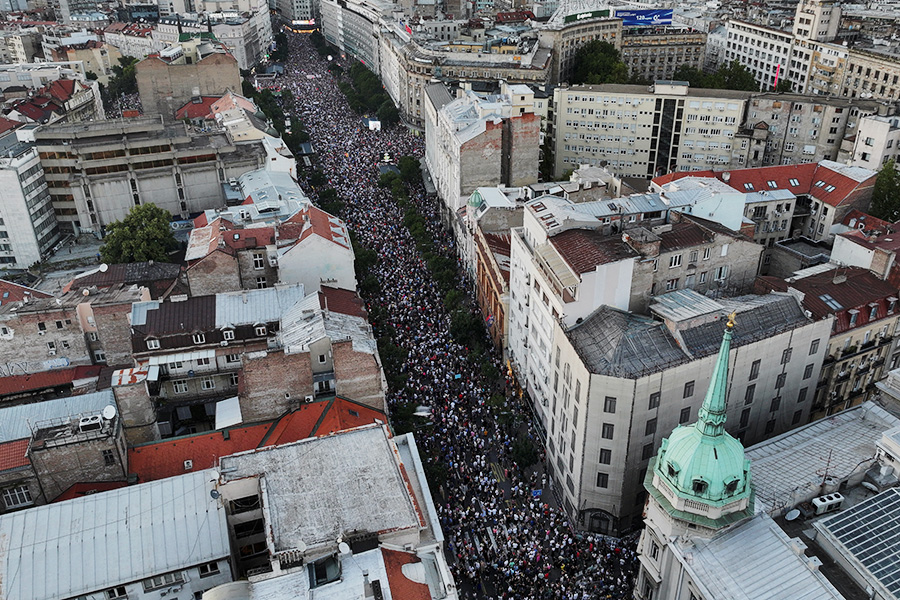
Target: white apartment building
(620, 383)
(36, 75)
(638, 132)
(762, 50)
(876, 142)
(28, 227)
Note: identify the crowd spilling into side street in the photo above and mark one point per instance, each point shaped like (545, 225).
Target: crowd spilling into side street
(506, 536)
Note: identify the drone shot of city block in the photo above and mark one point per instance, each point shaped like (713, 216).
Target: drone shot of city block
(449, 300)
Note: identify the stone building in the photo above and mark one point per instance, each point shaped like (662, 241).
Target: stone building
(864, 338)
(475, 141)
(566, 33)
(639, 133)
(195, 66)
(654, 53)
(620, 383)
(98, 171)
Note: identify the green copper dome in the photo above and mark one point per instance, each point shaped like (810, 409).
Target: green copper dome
(702, 462)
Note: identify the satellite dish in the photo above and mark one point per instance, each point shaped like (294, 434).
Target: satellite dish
(214, 494)
(85, 292)
(344, 548)
(109, 412)
(301, 546)
(104, 268)
(792, 515)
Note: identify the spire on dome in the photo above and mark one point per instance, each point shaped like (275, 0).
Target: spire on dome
(711, 419)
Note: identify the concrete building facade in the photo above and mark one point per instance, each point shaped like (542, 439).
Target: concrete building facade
(654, 53)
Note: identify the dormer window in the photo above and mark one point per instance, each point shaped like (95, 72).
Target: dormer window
(731, 486)
(699, 486)
(673, 469)
(854, 315)
(228, 334)
(260, 330)
(152, 344)
(199, 338)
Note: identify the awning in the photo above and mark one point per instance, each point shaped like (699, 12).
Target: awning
(153, 373)
(163, 359)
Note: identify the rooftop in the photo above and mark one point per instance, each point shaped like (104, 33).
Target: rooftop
(91, 543)
(306, 322)
(789, 469)
(352, 482)
(16, 421)
(585, 249)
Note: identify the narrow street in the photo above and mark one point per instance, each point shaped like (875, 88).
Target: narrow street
(504, 539)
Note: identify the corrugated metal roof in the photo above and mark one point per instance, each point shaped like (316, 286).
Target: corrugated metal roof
(306, 323)
(16, 421)
(112, 538)
(256, 306)
(745, 561)
(682, 305)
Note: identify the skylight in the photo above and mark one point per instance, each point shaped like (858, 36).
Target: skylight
(831, 302)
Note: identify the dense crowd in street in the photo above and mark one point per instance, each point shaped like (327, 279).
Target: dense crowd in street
(503, 539)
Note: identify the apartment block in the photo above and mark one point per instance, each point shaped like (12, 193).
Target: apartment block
(654, 53)
(877, 141)
(621, 383)
(97, 171)
(639, 133)
(567, 31)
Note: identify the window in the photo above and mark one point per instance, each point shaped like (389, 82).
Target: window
(801, 397)
(259, 261)
(770, 426)
(202, 362)
(813, 347)
(109, 458)
(745, 418)
(152, 344)
(647, 452)
(228, 334)
(685, 415)
(808, 371)
(261, 283)
(688, 389)
(322, 359)
(775, 404)
(786, 356)
(703, 277)
(17, 497)
(180, 386)
(754, 369)
(694, 256)
(608, 431)
(207, 383)
(674, 261)
(233, 379)
(59, 324)
(602, 480)
(609, 405)
(208, 569)
(42, 326)
(161, 581)
(654, 400)
(199, 338)
(749, 392)
(245, 504)
(706, 252)
(672, 284)
(100, 356)
(794, 182)
(699, 486)
(232, 358)
(116, 593)
(721, 272)
(650, 427)
(605, 456)
(779, 382)
(260, 330)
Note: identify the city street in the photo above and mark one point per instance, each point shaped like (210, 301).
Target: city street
(504, 539)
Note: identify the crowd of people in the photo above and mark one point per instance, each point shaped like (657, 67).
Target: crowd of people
(505, 536)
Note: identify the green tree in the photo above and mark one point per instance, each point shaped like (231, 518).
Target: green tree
(124, 79)
(694, 76)
(410, 169)
(388, 113)
(735, 76)
(886, 194)
(599, 62)
(784, 85)
(144, 234)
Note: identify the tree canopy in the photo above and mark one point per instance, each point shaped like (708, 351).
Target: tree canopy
(124, 79)
(733, 76)
(886, 194)
(144, 234)
(599, 62)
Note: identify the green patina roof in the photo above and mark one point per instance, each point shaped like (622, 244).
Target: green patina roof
(475, 200)
(701, 461)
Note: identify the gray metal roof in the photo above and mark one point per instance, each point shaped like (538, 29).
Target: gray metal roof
(682, 305)
(256, 306)
(438, 94)
(16, 421)
(348, 482)
(619, 344)
(868, 534)
(112, 538)
(754, 561)
(306, 322)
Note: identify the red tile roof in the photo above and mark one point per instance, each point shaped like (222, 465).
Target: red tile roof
(8, 124)
(855, 218)
(683, 235)
(13, 292)
(19, 384)
(167, 458)
(849, 288)
(79, 490)
(197, 110)
(816, 179)
(584, 249)
(13, 455)
(401, 586)
(345, 302)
